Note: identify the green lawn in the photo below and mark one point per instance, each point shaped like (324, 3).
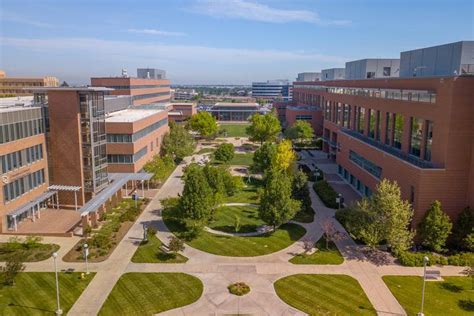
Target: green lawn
(35, 252)
(234, 130)
(151, 293)
(206, 150)
(324, 294)
(225, 219)
(454, 296)
(238, 160)
(239, 246)
(247, 194)
(34, 293)
(151, 253)
(321, 256)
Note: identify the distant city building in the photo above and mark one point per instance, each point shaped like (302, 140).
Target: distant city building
(333, 74)
(272, 90)
(179, 112)
(372, 68)
(308, 76)
(184, 94)
(226, 111)
(150, 73)
(454, 59)
(142, 90)
(12, 86)
(134, 136)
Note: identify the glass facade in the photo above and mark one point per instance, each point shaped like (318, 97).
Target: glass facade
(416, 129)
(361, 120)
(22, 185)
(365, 164)
(127, 159)
(129, 138)
(20, 158)
(372, 123)
(398, 131)
(428, 140)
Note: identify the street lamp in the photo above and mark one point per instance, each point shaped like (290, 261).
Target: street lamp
(59, 311)
(86, 254)
(425, 262)
(339, 200)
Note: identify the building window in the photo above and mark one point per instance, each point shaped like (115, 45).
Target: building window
(428, 139)
(398, 131)
(377, 126)
(361, 120)
(370, 74)
(304, 117)
(388, 128)
(365, 164)
(415, 136)
(386, 71)
(372, 123)
(22, 185)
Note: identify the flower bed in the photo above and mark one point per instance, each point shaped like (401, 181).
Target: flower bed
(239, 288)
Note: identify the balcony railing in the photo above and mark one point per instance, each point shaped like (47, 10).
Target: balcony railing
(390, 150)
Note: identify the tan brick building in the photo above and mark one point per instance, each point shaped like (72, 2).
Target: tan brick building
(12, 86)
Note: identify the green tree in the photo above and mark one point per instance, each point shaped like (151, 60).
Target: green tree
(300, 131)
(464, 226)
(469, 241)
(435, 227)
(197, 201)
(178, 143)
(263, 156)
(276, 203)
(204, 123)
(264, 128)
(224, 152)
(175, 245)
(13, 266)
(161, 167)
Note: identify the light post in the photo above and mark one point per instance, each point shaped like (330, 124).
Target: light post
(86, 254)
(425, 262)
(59, 311)
(145, 235)
(339, 200)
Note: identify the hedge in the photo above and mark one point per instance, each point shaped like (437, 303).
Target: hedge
(326, 193)
(415, 259)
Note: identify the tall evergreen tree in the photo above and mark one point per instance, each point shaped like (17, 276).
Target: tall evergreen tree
(435, 227)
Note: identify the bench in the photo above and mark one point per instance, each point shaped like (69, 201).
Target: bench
(434, 275)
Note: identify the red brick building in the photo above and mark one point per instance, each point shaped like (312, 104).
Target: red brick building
(142, 90)
(416, 131)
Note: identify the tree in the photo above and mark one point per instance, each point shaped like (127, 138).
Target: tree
(224, 152)
(175, 245)
(300, 131)
(276, 204)
(204, 123)
(161, 167)
(178, 143)
(264, 128)
(13, 266)
(263, 156)
(308, 245)
(435, 227)
(197, 202)
(469, 241)
(462, 228)
(284, 156)
(330, 232)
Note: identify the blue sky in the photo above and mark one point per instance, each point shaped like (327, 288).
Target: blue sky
(217, 41)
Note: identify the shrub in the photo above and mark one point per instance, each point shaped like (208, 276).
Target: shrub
(224, 152)
(415, 259)
(13, 266)
(239, 288)
(461, 259)
(435, 227)
(32, 242)
(326, 193)
(463, 226)
(151, 230)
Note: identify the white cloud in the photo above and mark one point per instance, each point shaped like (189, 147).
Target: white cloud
(155, 32)
(12, 17)
(254, 11)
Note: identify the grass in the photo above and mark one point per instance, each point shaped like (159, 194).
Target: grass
(151, 293)
(454, 296)
(206, 150)
(248, 194)
(150, 252)
(33, 253)
(34, 293)
(321, 256)
(238, 160)
(225, 219)
(238, 246)
(324, 294)
(235, 130)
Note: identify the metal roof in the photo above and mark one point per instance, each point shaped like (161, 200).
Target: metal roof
(59, 187)
(29, 205)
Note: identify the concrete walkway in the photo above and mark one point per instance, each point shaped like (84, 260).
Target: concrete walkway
(217, 272)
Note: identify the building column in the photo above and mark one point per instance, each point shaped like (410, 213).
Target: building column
(94, 219)
(15, 224)
(85, 223)
(75, 200)
(39, 211)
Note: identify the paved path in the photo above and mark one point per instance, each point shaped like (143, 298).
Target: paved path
(216, 272)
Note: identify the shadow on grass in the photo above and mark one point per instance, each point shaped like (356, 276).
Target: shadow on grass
(467, 305)
(165, 256)
(231, 229)
(32, 308)
(451, 287)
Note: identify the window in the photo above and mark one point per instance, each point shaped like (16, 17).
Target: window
(361, 120)
(22, 185)
(370, 74)
(304, 117)
(365, 164)
(428, 139)
(415, 136)
(377, 126)
(17, 159)
(371, 123)
(386, 71)
(398, 131)
(388, 128)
